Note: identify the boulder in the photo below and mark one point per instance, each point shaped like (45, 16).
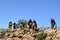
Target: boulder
(27, 37)
(48, 38)
(20, 35)
(58, 36)
(16, 33)
(50, 31)
(56, 39)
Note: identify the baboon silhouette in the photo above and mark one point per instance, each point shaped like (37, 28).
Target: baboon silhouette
(30, 24)
(21, 24)
(14, 25)
(10, 25)
(34, 25)
(53, 23)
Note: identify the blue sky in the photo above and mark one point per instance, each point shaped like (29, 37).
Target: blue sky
(40, 10)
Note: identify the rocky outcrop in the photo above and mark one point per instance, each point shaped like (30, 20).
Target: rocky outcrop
(30, 34)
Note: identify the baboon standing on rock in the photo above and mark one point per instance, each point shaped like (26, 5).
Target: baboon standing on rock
(53, 23)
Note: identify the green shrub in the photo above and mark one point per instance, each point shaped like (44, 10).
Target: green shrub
(41, 36)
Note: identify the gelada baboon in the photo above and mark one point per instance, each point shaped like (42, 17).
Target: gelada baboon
(21, 24)
(30, 24)
(53, 23)
(10, 25)
(14, 25)
(34, 25)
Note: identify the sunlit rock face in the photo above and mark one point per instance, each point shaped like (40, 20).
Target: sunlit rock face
(30, 34)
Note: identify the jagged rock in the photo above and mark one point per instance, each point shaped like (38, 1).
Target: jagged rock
(27, 37)
(1, 35)
(58, 31)
(56, 39)
(34, 35)
(1, 39)
(19, 29)
(31, 31)
(30, 34)
(38, 33)
(50, 31)
(48, 38)
(11, 35)
(16, 33)
(16, 38)
(4, 39)
(9, 38)
(20, 36)
(6, 34)
(58, 36)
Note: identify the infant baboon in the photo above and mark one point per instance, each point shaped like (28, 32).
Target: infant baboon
(53, 23)
(34, 25)
(30, 24)
(10, 25)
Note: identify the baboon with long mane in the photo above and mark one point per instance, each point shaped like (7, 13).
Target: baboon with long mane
(14, 25)
(34, 25)
(21, 24)
(10, 25)
(30, 24)
(53, 23)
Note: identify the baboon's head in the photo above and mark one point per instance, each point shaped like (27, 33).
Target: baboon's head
(30, 22)
(10, 23)
(52, 21)
(14, 24)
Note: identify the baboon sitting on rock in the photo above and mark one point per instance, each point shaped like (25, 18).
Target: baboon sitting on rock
(30, 24)
(10, 25)
(34, 25)
(53, 23)
(21, 24)
(14, 25)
